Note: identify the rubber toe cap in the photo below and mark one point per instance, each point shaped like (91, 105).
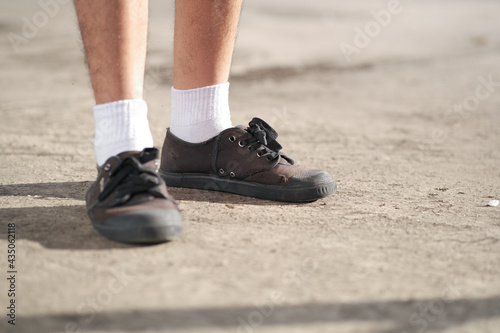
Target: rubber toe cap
(149, 226)
(311, 178)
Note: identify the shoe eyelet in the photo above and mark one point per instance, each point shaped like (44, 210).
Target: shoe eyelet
(107, 167)
(249, 148)
(259, 155)
(232, 174)
(221, 171)
(232, 138)
(240, 143)
(269, 159)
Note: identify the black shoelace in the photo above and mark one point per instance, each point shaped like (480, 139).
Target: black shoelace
(131, 177)
(263, 140)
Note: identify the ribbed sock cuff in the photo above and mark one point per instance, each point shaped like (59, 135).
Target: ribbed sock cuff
(200, 114)
(121, 126)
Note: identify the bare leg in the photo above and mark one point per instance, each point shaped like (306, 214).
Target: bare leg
(114, 34)
(126, 204)
(205, 31)
(202, 150)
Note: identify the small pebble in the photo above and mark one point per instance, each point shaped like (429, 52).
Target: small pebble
(493, 203)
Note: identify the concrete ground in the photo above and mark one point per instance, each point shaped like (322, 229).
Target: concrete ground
(398, 100)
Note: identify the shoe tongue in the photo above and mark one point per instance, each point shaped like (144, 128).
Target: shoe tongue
(144, 156)
(126, 154)
(283, 161)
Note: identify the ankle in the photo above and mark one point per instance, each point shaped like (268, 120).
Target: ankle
(121, 126)
(200, 114)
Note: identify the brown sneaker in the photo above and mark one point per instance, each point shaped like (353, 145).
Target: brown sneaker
(129, 201)
(242, 161)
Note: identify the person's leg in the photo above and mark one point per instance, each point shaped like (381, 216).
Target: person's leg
(201, 149)
(114, 34)
(129, 201)
(204, 37)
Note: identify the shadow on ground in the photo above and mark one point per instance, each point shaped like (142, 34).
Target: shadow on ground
(67, 190)
(189, 194)
(56, 227)
(61, 227)
(76, 190)
(68, 227)
(433, 315)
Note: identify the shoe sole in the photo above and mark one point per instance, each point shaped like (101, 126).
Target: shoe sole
(151, 230)
(256, 190)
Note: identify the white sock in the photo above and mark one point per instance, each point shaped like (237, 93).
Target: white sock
(200, 114)
(121, 126)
